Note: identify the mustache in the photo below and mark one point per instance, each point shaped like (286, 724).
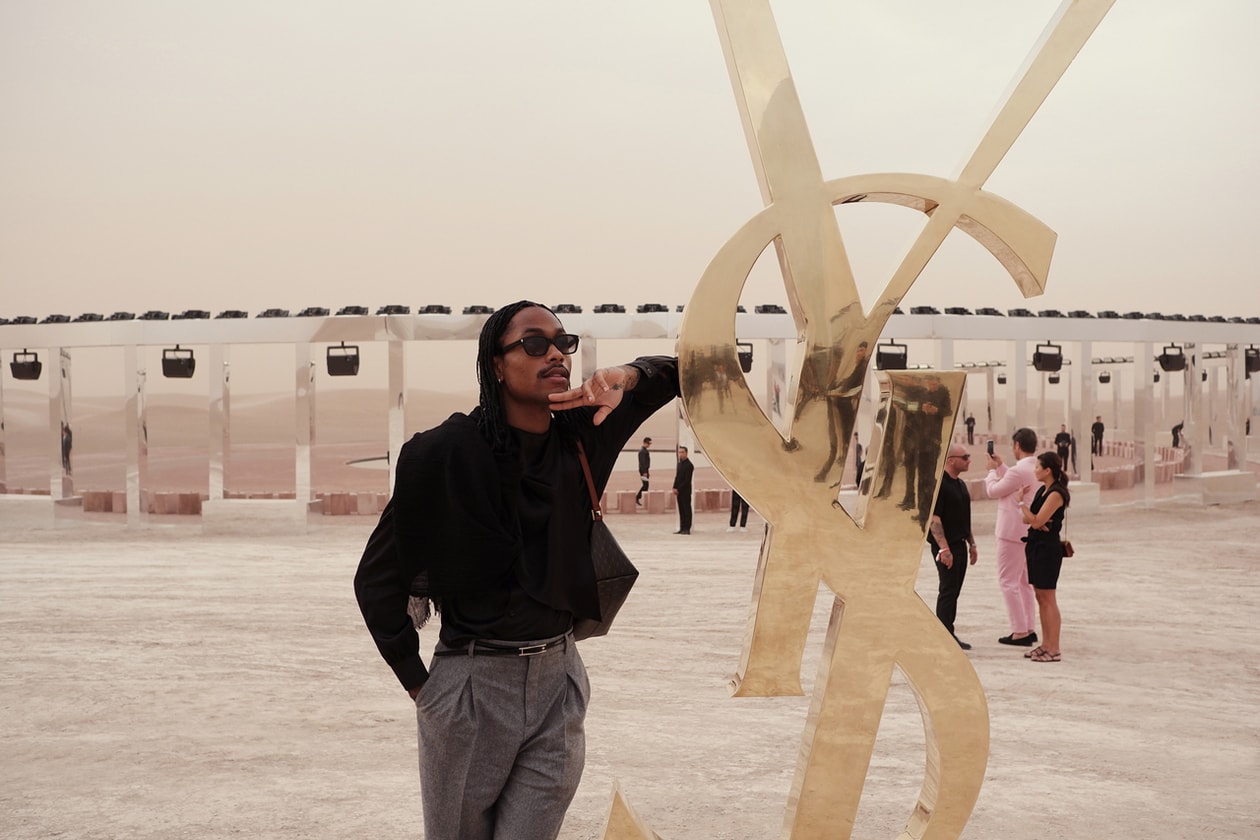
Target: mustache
(552, 369)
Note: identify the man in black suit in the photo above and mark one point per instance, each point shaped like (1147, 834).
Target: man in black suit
(682, 489)
(1063, 444)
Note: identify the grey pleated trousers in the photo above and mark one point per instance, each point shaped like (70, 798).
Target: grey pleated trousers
(502, 744)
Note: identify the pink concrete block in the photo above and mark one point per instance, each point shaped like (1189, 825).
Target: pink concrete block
(655, 500)
(95, 501)
(625, 501)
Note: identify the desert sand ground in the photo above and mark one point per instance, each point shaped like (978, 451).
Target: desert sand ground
(164, 684)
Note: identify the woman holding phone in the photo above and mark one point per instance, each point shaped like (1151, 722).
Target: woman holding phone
(1044, 550)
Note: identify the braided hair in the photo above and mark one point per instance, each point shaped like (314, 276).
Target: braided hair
(492, 419)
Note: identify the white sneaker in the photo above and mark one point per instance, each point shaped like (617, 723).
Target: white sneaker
(730, 530)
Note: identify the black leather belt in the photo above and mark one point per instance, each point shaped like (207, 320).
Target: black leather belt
(480, 648)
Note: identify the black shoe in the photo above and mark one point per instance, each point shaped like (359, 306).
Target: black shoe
(962, 644)
(1026, 641)
(684, 533)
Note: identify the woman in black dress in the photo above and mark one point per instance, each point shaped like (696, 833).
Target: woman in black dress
(1043, 550)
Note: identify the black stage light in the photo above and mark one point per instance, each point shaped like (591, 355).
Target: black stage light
(191, 315)
(273, 313)
(343, 360)
(1104, 377)
(744, 351)
(394, 309)
(769, 309)
(890, 356)
(609, 309)
(26, 365)
(1251, 360)
(1048, 358)
(1172, 359)
(56, 319)
(353, 310)
(1053, 378)
(1204, 377)
(567, 309)
(477, 309)
(1156, 375)
(1001, 379)
(434, 309)
(313, 312)
(651, 307)
(233, 313)
(178, 363)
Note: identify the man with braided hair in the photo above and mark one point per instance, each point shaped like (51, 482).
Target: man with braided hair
(490, 523)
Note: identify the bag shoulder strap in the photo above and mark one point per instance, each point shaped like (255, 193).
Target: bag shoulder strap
(596, 513)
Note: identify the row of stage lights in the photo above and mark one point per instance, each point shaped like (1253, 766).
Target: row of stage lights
(343, 360)
(1048, 358)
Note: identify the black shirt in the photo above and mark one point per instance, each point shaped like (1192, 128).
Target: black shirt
(953, 506)
(510, 613)
(682, 478)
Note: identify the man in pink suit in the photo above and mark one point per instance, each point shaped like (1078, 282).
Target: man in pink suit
(1004, 484)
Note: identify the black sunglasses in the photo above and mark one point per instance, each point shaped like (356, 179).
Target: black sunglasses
(536, 345)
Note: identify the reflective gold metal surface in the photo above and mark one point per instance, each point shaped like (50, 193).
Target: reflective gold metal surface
(869, 559)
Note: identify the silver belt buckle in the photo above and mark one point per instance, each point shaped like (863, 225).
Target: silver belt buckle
(532, 650)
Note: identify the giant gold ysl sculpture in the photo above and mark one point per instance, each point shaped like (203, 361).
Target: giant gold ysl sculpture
(869, 560)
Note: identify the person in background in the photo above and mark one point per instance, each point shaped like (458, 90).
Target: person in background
(490, 523)
(739, 510)
(1044, 550)
(971, 429)
(682, 489)
(949, 535)
(645, 467)
(1096, 436)
(1063, 444)
(1005, 484)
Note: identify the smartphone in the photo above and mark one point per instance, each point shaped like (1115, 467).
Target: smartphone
(989, 447)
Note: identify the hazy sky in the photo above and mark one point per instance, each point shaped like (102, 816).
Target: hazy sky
(166, 154)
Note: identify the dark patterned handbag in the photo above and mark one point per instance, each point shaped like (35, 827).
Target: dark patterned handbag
(1068, 550)
(614, 573)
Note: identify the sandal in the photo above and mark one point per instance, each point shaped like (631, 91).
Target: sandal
(1046, 656)
(1037, 651)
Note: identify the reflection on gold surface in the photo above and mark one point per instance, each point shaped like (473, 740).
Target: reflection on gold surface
(869, 560)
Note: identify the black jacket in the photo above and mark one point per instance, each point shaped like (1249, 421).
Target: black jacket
(451, 525)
